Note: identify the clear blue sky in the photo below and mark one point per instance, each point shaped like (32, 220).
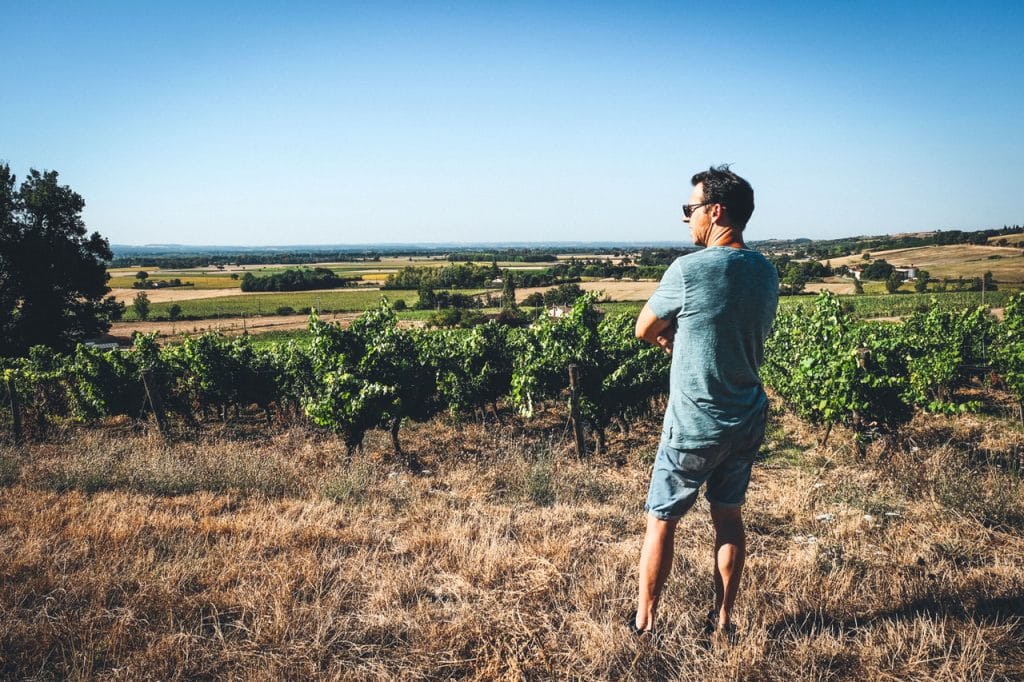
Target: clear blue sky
(259, 123)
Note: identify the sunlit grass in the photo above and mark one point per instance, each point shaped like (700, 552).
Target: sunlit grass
(264, 552)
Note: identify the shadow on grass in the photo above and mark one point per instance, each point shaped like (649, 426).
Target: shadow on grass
(959, 606)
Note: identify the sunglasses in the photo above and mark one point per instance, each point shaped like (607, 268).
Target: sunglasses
(688, 209)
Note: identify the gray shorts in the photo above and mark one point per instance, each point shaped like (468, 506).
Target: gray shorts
(678, 475)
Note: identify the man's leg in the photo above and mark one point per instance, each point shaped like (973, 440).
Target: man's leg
(730, 552)
(655, 565)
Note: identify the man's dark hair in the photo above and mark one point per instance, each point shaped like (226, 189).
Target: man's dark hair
(722, 186)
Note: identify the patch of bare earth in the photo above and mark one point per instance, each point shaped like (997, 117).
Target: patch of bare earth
(835, 285)
(250, 552)
(235, 325)
(174, 294)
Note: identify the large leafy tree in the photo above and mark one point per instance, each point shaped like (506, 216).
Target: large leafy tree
(53, 280)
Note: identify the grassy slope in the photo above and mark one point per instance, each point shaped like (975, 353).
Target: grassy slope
(958, 260)
(267, 557)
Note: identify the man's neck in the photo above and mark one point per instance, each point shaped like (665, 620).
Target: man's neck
(724, 235)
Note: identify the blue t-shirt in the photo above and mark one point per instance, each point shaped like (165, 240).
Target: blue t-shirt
(722, 301)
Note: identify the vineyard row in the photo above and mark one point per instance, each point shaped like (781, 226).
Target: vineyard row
(827, 366)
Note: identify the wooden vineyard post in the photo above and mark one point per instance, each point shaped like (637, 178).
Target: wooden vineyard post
(157, 404)
(15, 410)
(574, 411)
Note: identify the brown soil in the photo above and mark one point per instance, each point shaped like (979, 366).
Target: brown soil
(234, 326)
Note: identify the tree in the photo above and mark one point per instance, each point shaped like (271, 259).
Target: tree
(794, 279)
(508, 292)
(142, 275)
(893, 282)
(534, 300)
(858, 286)
(141, 305)
(563, 294)
(174, 312)
(53, 279)
(879, 270)
(921, 285)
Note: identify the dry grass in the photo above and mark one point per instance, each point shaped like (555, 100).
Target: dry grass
(231, 326)
(612, 290)
(270, 557)
(957, 260)
(172, 294)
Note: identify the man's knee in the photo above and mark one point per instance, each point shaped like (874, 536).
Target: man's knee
(728, 522)
(726, 514)
(661, 527)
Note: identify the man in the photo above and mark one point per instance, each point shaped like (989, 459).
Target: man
(712, 312)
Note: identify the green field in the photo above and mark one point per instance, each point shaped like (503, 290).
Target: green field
(300, 336)
(864, 305)
(898, 305)
(620, 307)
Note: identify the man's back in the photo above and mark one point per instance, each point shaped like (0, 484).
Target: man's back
(723, 302)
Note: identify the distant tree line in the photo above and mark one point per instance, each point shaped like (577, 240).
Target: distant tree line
(562, 295)
(298, 279)
(607, 268)
(457, 276)
(664, 256)
(509, 255)
(205, 260)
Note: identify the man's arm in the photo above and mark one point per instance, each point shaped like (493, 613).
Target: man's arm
(654, 330)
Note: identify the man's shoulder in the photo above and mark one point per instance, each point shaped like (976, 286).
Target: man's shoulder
(707, 255)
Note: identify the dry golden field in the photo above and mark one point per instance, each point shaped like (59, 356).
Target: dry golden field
(837, 285)
(960, 260)
(234, 326)
(1010, 239)
(171, 294)
(252, 553)
(613, 290)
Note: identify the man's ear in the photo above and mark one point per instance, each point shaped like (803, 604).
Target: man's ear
(715, 212)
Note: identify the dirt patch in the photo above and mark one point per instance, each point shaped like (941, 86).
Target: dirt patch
(835, 287)
(171, 331)
(174, 294)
